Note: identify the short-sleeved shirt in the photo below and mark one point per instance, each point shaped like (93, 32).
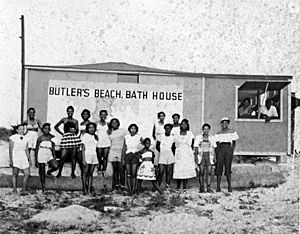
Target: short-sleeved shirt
(205, 145)
(133, 143)
(159, 129)
(226, 137)
(166, 142)
(104, 140)
(90, 143)
(272, 112)
(175, 131)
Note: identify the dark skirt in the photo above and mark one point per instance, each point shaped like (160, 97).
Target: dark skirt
(224, 153)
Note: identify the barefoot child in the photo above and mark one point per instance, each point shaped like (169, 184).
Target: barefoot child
(131, 159)
(146, 170)
(204, 146)
(45, 153)
(89, 156)
(19, 158)
(166, 148)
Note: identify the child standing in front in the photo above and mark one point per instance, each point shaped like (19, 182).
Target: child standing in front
(166, 148)
(45, 153)
(131, 159)
(147, 170)
(204, 146)
(89, 156)
(19, 158)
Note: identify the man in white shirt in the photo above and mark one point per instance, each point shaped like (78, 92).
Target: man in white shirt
(268, 111)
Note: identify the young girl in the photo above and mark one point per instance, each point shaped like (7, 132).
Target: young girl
(226, 143)
(45, 153)
(19, 158)
(89, 155)
(131, 159)
(33, 126)
(146, 170)
(158, 131)
(204, 146)
(176, 124)
(166, 148)
(69, 144)
(117, 139)
(184, 167)
(103, 143)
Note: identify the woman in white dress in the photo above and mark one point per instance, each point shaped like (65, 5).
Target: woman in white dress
(19, 158)
(184, 167)
(103, 143)
(89, 155)
(226, 141)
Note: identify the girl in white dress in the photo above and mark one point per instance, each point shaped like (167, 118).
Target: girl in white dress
(184, 167)
(89, 155)
(131, 159)
(45, 154)
(166, 148)
(19, 158)
(103, 143)
(147, 170)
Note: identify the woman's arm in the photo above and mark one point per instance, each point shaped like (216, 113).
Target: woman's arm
(153, 132)
(158, 146)
(38, 142)
(83, 155)
(28, 155)
(77, 126)
(123, 152)
(56, 127)
(53, 150)
(233, 145)
(11, 146)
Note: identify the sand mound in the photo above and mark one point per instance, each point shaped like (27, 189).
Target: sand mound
(68, 216)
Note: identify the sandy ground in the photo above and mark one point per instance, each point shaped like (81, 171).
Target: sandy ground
(259, 210)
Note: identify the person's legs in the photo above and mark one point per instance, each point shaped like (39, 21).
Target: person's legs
(219, 166)
(64, 155)
(115, 176)
(178, 183)
(228, 163)
(139, 185)
(100, 159)
(105, 152)
(128, 173)
(84, 179)
(25, 179)
(134, 174)
(162, 168)
(91, 169)
(42, 174)
(14, 179)
(155, 186)
(201, 177)
(169, 174)
(185, 183)
(53, 166)
(208, 178)
(73, 158)
(121, 175)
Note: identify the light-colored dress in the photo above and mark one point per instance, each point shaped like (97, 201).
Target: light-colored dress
(45, 152)
(19, 157)
(166, 155)
(175, 131)
(103, 137)
(133, 143)
(184, 167)
(90, 144)
(159, 132)
(117, 138)
(146, 170)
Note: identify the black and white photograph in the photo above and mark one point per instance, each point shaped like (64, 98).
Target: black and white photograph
(149, 116)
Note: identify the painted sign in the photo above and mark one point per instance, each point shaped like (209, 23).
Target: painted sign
(130, 103)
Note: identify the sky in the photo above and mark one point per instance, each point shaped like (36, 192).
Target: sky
(239, 37)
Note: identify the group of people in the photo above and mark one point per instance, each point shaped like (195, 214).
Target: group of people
(175, 152)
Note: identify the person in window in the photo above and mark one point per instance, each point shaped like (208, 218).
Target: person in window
(268, 111)
(245, 109)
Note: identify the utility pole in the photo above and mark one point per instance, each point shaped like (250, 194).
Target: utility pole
(23, 66)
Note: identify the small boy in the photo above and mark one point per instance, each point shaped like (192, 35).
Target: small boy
(205, 156)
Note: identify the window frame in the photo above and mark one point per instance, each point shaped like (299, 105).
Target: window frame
(237, 119)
